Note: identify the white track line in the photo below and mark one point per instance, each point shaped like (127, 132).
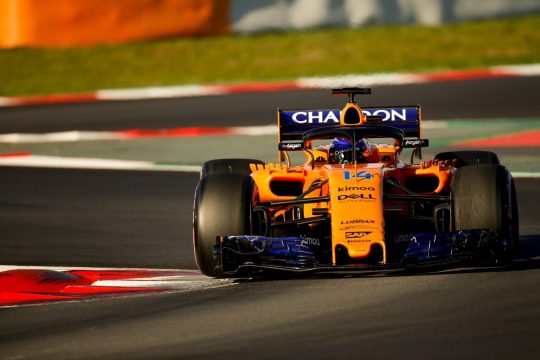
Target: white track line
(327, 82)
(157, 92)
(76, 135)
(62, 136)
(90, 268)
(525, 175)
(318, 82)
(105, 164)
(520, 70)
(91, 163)
(254, 130)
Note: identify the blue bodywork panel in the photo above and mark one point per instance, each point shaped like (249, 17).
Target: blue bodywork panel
(295, 253)
(293, 123)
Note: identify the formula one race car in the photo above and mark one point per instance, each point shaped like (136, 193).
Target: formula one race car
(353, 205)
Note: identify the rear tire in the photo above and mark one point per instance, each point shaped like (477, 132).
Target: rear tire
(228, 166)
(470, 157)
(484, 197)
(222, 206)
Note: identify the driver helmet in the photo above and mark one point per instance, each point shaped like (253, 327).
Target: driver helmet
(340, 151)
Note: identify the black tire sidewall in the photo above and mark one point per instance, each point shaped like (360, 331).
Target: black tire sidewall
(469, 157)
(222, 206)
(228, 166)
(482, 198)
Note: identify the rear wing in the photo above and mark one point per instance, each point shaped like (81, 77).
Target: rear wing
(293, 123)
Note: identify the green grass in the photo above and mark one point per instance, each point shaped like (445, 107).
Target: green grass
(270, 56)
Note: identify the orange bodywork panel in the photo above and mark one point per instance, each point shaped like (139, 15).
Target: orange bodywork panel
(356, 205)
(439, 172)
(357, 210)
(275, 181)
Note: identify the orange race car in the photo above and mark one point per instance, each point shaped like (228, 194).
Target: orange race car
(352, 204)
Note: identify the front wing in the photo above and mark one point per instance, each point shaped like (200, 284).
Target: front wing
(250, 255)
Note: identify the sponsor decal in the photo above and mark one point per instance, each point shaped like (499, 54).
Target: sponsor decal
(316, 117)
(357, 241)
(401, 239)
(356, 188)
(362, 174)
(290, 146)
(412, 142)
(388, 115)
(415, 142)
(310, 241)
(356, 197)
(357, 221)
(356, 234)
(332, 116)
(351, 227)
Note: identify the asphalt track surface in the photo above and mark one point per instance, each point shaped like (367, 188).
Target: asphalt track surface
(142, 219)
(511, 97)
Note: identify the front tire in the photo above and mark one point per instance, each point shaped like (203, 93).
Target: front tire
(484, 197)
(221, 207)
(228, 166)
(470, 157)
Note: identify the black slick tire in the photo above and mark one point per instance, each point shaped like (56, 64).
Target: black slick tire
(228, 166)
(484, 197)
(221, 207)
(470, 157)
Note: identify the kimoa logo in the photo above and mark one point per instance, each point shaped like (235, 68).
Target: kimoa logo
(356, 188)
(399, 239)
(311, 241)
